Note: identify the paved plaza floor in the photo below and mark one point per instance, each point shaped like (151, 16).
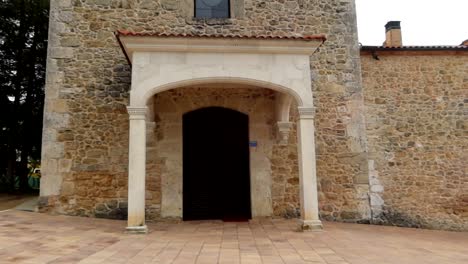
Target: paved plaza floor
(27, 237)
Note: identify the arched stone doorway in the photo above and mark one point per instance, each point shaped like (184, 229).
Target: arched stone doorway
(216, 170)
(165, 143)
(161, 63)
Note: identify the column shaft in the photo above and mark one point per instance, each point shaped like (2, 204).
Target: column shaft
(307, 170)
(137, 170)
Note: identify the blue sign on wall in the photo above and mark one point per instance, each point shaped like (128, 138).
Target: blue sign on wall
(253, 144)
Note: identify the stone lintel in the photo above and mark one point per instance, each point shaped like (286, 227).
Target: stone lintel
(133, 44)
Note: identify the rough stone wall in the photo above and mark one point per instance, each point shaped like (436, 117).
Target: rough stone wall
(166, 159)
(417, 114)
(285, 174)
(86, 125)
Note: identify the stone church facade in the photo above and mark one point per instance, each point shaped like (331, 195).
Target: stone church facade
(334, 131)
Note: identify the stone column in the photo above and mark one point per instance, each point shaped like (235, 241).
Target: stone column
(307, 170)
(137, 170)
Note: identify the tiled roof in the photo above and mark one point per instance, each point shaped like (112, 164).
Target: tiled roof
(233, 36)
(414, 48)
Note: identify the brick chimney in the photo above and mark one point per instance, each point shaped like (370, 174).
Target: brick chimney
(393, 34)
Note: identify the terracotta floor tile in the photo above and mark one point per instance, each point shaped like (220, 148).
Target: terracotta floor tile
(33, 238)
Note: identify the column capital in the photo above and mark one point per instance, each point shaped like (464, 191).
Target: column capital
(284, 126)
(283, 132)
(137, 112)
(306, 112)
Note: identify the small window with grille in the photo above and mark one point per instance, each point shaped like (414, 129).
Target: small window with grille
(212, 9)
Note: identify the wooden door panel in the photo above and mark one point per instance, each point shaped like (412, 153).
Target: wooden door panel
(216, 165)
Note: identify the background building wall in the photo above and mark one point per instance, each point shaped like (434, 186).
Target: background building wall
(417, 125)
(86, 124)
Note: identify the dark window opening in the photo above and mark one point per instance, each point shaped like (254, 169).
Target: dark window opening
(212, 9)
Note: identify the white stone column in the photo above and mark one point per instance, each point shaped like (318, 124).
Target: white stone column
(307, 170)
(137, 170)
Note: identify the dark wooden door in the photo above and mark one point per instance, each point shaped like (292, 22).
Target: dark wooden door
(216, 181)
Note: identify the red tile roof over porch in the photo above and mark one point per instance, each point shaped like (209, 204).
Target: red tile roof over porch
(233, 36)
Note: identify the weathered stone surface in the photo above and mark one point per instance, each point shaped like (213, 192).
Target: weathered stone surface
(92, 78)
(418, 152)
(415, 116)
(285, 175)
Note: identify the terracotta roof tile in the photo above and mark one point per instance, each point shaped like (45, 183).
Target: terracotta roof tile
(233, 36)
(415, 48)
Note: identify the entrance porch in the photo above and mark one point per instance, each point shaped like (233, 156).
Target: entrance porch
(167, 63)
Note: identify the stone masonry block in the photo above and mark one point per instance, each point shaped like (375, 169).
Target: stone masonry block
(58, 106)
(52, 150)
(68, 188)
(64, 165)
(62, 3)
(61, 53)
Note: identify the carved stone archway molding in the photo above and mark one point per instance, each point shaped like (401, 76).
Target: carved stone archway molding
(164, 62)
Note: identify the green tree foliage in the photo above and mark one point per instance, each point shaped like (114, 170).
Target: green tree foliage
(23, 52)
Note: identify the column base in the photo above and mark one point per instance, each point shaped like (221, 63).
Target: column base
(310, 225)
(136, 229)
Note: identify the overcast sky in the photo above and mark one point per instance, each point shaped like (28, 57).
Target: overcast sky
(423, 22)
